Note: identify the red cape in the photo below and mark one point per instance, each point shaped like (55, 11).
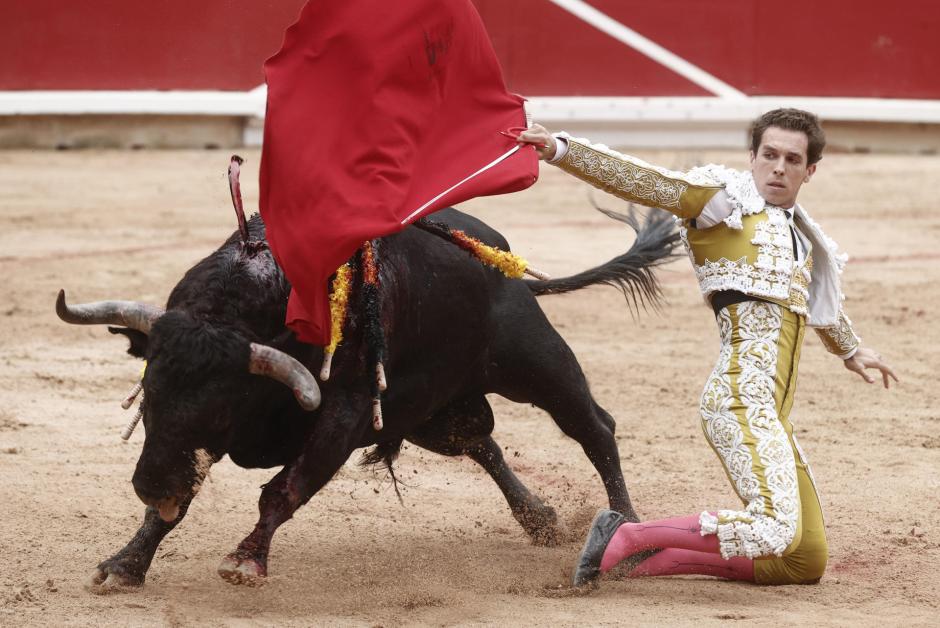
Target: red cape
(375, 108)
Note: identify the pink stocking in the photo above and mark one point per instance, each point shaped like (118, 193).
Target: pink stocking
(680, 562)
(686, 551)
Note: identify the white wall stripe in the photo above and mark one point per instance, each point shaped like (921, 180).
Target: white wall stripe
(606, 24)
(612, 109)
(118, 102)
(715, 110)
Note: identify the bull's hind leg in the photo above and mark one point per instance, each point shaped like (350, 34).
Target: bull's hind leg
(533, 364)
(128, 567)
(463, 427)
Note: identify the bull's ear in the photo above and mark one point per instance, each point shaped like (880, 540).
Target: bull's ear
(138, 339)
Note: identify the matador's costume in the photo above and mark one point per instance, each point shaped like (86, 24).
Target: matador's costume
(768, 273)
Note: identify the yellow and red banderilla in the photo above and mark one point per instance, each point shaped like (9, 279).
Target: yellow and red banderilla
(511, 265)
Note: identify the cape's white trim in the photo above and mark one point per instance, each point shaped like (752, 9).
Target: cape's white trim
(458, 184)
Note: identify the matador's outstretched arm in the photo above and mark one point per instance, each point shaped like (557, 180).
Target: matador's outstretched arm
(682, 194)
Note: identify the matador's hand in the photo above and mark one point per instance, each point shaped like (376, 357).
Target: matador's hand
(866, 358)
(545, 144)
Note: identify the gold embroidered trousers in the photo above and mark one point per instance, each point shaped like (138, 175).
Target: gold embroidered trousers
(745, 409)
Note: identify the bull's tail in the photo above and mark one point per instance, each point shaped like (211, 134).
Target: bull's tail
(385, 454)
(633, 271)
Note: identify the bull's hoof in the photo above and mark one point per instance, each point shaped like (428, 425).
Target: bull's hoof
(237, 569)
(110, 578)
(540, 522)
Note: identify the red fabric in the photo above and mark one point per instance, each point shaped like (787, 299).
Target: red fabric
(374, 108)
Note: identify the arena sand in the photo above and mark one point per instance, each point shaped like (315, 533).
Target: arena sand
(128, 224)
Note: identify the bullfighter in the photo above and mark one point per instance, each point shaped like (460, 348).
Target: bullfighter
(768, 271)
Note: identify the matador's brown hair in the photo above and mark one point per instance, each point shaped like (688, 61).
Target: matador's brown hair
(791, 120)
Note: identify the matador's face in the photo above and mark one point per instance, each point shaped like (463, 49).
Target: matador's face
(779, 166)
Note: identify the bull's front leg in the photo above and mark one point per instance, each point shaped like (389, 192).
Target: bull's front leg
(336, 434)
(128, 567)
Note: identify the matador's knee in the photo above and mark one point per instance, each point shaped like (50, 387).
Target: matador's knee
(805, 564)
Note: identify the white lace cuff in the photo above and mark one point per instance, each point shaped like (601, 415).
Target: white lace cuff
(561, 148)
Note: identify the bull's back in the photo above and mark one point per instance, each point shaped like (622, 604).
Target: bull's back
(438, 306)
(456, 219)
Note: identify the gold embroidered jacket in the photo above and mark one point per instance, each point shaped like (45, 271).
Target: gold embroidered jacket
(750, 251)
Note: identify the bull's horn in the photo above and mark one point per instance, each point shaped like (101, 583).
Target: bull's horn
(279, 366)
(139, 316)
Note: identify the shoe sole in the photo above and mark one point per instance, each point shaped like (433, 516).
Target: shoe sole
(588, 569)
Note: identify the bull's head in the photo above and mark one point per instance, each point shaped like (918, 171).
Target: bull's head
(193, 390)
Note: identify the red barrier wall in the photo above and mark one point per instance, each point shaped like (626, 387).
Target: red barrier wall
(138, 44)
(848, 48)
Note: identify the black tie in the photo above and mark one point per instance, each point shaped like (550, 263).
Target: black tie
(796, 251)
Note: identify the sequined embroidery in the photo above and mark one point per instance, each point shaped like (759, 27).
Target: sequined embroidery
(764, 527)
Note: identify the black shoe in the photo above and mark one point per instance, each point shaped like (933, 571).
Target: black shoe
(603, 527)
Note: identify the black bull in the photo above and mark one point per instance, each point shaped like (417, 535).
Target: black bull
(455, 331)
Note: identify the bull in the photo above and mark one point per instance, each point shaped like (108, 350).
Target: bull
(225, 376)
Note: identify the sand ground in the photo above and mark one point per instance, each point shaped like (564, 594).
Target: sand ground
(128, 224)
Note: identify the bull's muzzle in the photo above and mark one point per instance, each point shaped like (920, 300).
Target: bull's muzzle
(168, 507)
